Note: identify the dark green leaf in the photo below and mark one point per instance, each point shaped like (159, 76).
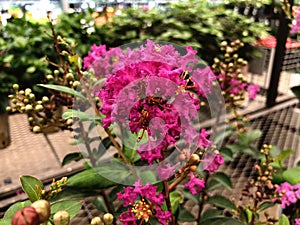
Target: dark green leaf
(71, 206)
(64, 89)
(223, 179)
(10, 212)
(74, 156)
(176, 198)
(185, 215)
(73, 193)
(190, 196)
(221, 201)
(265, 205)
(212, 185)
(31, 186)
(220, 220)
(210, 213)
(292, 175)
(296, 91)
(100, 204)
(227, 154)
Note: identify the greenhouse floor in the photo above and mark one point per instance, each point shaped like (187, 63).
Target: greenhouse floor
(41, 155)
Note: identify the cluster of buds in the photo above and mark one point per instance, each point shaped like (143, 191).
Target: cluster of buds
(261, 186)
(230, 76)
(54, 189)
(43, 114)
(39, 213)
(107, 219)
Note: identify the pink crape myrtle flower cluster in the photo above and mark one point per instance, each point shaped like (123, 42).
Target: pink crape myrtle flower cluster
(290, 194)
(148, 83)
(144, 203)
(237, 86)
(297, 221)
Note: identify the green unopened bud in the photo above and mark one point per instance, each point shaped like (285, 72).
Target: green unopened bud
(21, 92)
(8, 109)
(96, 221)
(45, 99)
(69, 122)
(223, 44)
(31, 96)
(65, 53)
(38, 108)
(42, 207)
(108, 218)
(16, 87)
(61, 217)
(56, 72)
(76, 84)
(49, 77)
(27, 91)
(70, 76)
(28, 108)
(14, 101)
(36, 129)
(11, 96)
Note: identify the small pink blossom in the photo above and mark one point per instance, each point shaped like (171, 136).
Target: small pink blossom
(212, 162)
(252, 90)
(297, 221)
(195, 185)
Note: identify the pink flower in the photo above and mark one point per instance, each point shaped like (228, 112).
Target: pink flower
(212, 162)
(145, 202)
(297, 221)
(194, 185)
(252, 90)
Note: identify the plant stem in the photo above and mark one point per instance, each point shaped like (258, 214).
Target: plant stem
(86, 143)
(203, 195)
(167, 198)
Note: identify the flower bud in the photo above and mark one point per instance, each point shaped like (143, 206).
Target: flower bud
(16, 87)
(28, 108)
(39, 108)
(36, 129)
(42, 207)
(195, 159)
(8, 109)
(49, 77)
(45, 99)
(193, 168)
(108, 218)
(26, 216)
(61, 217)
(96, 221)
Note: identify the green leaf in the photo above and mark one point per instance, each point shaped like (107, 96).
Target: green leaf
(265, 205)
(5, 221)
(185, 215)
(31, 186)
(64, 89)
(296, 91)
(31, 69)
(10, 212)
(220, 220)
(176, 198)
(190, 196)
(221, 201)
(283, 220)
(223, 179)
(83, 116)
(292, 175)
(104, 176)
(89, 179)
(210, 213)
(74, 156)
(227, 154)
(71, 206)
(100, 204)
